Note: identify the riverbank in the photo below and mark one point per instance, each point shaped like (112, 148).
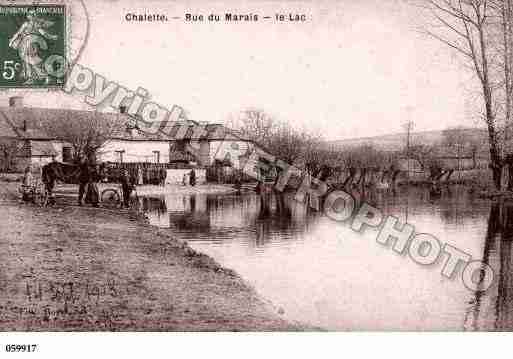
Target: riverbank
(70, 268)
(210, 188)
(67, 190)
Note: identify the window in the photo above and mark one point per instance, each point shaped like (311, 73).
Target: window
(66, 154)
(120, 156)
(156, 156)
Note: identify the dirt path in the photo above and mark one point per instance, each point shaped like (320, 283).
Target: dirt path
(83, 269)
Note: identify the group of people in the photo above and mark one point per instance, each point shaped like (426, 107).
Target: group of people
(88, 178)
(88, 175)
(151, 176)
(189, 178)
(88, 184)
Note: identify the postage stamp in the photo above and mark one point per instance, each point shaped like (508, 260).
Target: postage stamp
(32, 46)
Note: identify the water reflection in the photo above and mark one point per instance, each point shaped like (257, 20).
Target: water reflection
(264, 216)
(493, 309)
(323, 273)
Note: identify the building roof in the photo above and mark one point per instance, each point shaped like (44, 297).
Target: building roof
(6, 127)
(133, 133)
(26, 123)
(190, 130)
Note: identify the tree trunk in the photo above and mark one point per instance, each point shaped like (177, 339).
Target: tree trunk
(505, 175)
(497, 176)
(495, 156)
(506, 28)
(510, 178)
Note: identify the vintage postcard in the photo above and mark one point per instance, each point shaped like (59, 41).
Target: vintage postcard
(255, 166)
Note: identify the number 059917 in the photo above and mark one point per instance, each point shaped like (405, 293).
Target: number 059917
(20, 348)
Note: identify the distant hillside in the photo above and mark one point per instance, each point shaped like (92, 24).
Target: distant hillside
(397, 142)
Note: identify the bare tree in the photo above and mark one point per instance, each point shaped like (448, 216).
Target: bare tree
(408, 127)
(454, 136)
(459, 137)
(86, 132)
(506, 14)
(422, 153)
(468, 27)
(278, 138)
(255, 125)
(9, 149)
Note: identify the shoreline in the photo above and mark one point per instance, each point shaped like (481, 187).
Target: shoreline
(153, 190)
(70, 268)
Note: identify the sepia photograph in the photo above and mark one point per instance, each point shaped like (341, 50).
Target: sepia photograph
(170, 168)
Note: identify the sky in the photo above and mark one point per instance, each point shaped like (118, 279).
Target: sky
(352, 69)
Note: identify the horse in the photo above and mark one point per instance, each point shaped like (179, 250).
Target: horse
(54, 171)
(69, 173)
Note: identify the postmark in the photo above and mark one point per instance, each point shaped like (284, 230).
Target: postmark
(32, 46)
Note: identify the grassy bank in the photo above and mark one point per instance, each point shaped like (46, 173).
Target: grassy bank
(83, 269)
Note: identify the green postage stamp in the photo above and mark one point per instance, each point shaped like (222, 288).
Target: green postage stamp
(32, 46)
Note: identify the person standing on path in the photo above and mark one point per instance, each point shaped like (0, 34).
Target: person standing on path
(26, 186)
(92, 193)
(83, 179)
(127, 187)
(139, 176)
(192, 178)
(163, 175)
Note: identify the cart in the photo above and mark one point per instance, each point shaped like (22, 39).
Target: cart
(113, 196)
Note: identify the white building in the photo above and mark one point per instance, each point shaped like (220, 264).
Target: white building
(185, 142)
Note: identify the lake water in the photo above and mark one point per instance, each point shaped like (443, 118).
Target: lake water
(322, 273)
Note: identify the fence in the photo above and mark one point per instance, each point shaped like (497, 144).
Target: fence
(147, 173)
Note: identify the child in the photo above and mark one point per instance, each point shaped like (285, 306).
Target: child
(26, 185)
(27, 177)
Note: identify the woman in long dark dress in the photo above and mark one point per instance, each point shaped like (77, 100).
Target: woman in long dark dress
(83, 180)
(192, 178)
(93, 194)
